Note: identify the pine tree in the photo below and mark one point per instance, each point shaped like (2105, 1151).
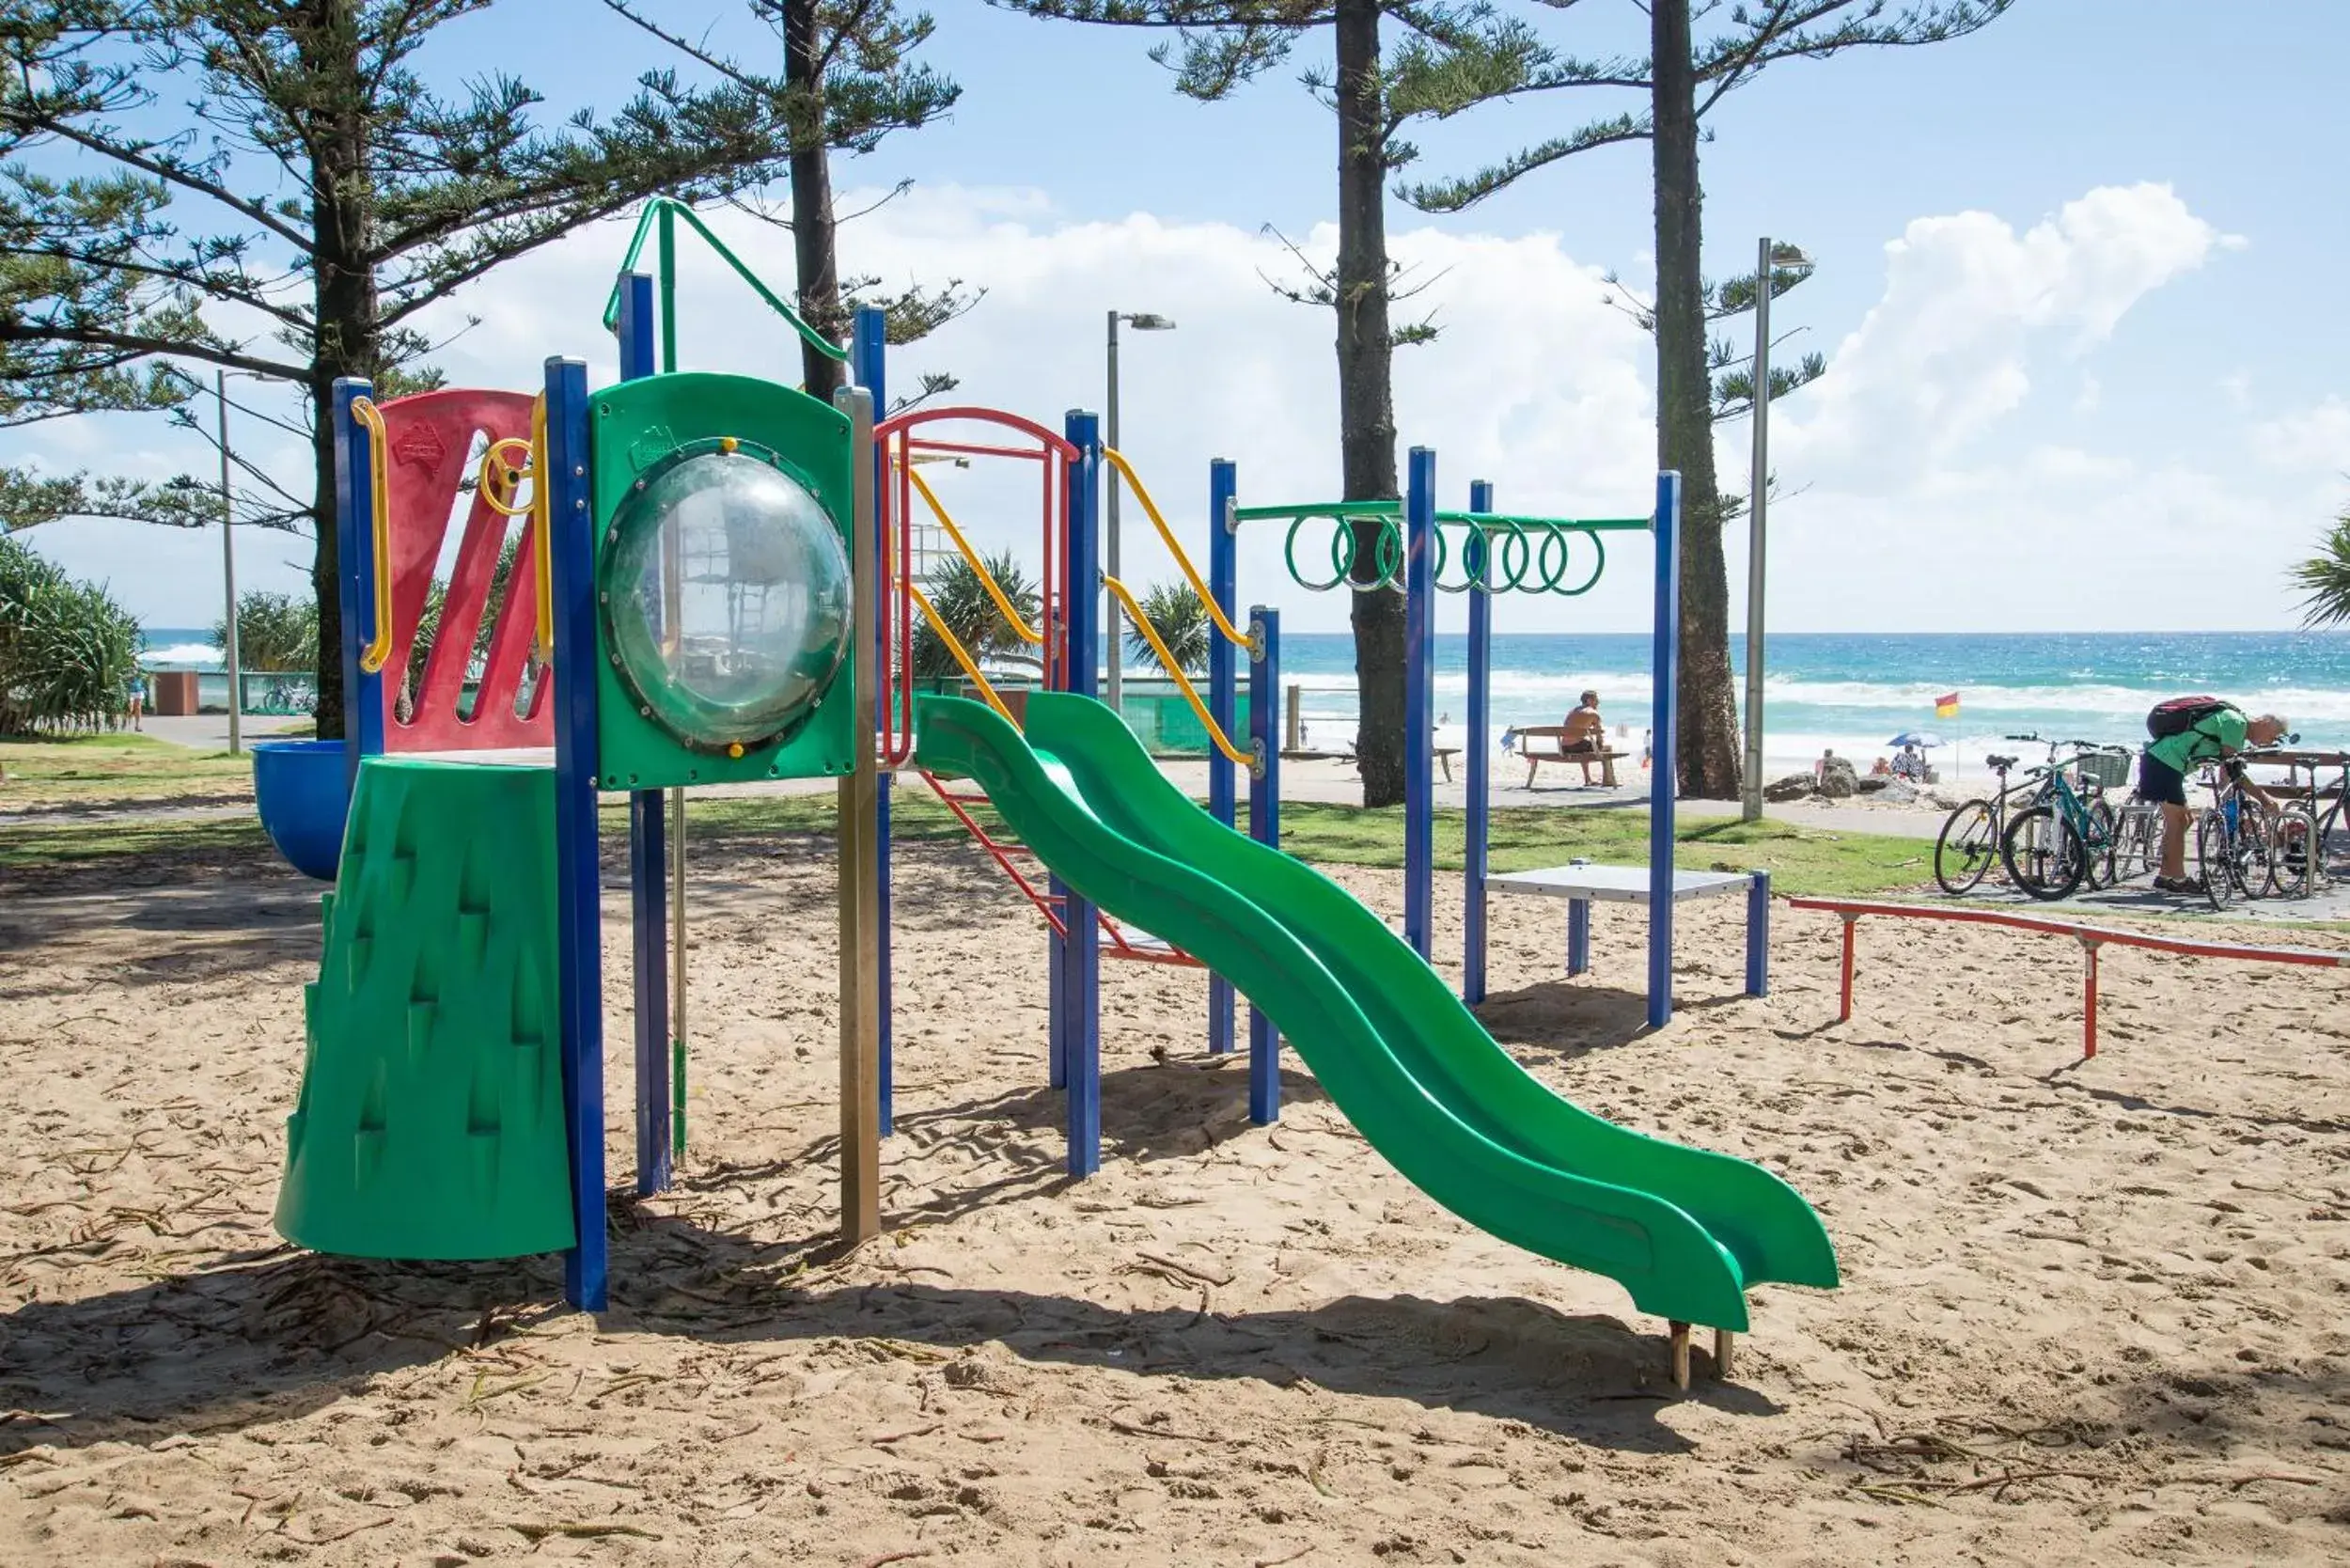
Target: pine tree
(318, 185)
(1447, 58)
(1683, 80)
(848, 79)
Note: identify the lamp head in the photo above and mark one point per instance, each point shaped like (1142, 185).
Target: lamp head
(1146, 321)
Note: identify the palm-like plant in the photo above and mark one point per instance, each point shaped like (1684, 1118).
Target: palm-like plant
(275, 631)
(1181, 619)
(959, 596)
(2324, 579)
(68, 650)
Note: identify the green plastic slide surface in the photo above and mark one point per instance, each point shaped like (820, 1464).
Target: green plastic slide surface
(1686, 1231)
(430, 1119)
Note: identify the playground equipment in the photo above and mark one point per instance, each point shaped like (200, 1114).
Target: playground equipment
(302, 790)
(2090, 938)
(712, 588)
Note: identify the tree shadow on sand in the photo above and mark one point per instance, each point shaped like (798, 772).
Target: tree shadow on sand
(270, 1336)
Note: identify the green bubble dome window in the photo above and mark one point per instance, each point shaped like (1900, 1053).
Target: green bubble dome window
(726, 598)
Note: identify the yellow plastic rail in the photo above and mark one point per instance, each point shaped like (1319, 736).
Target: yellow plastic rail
(500, 472)
(1215, 611)
(987, 578)
(1183, 683)
(962, 655)
(378, 650)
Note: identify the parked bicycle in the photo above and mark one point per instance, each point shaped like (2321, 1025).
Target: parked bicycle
(2244, 851)
(2069, 834)
(1968, 844)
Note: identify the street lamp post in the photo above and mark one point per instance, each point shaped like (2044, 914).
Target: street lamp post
(229, 570)
(1113, 636)
(1751, 793)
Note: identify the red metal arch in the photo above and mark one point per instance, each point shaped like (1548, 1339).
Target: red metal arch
(899, 440)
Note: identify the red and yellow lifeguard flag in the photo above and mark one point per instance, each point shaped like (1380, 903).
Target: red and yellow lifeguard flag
(1946, 706)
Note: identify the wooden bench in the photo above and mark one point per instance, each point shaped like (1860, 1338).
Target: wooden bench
(1534, 755)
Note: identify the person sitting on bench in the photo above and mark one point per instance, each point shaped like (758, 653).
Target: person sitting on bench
(1585, 737)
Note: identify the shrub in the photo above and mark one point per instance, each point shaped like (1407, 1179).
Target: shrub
(68, 651)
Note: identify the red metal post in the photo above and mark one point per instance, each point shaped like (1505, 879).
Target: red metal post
(1844, 1013)
(2089, 1007)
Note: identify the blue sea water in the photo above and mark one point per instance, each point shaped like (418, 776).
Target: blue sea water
(1854, 691)
(1851, 691)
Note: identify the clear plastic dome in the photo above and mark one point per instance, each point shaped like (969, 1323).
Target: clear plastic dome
(729, 599)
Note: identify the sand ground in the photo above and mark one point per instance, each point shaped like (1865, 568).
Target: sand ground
(2091, 1312)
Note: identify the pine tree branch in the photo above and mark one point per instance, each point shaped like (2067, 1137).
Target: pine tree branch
(11, 332)
(131, 156)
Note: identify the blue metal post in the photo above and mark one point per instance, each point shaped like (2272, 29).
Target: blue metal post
(869, 353)
(647, 854)
(1474, 561)
(1081, 1018)
(1264, 826)
(1420, 783)
(1758, 935)
(354, 544)
(1224, 583)
(1664, 780)
(578, 916)
(1578, 936)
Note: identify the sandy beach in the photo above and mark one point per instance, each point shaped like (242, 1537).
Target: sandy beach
(2091, 1311)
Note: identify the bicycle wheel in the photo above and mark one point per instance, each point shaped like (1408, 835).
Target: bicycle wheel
(2333, 838)
(2214, 852)
(1966, 847)
(2291, 842)
(2255, 852)
(2102, 851)
(2043, 853)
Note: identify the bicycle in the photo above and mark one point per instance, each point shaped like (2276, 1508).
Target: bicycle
(2068, 835)
(1969, 840)
(2236, 842)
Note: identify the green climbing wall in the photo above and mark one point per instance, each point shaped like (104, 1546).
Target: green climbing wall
(431, 1121)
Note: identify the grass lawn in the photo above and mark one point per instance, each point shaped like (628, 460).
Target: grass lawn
(1801, 859)
(121, 772)
(130, 772)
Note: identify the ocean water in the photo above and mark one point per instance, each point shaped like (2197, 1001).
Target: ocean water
(1849, 691)
(1855, 691)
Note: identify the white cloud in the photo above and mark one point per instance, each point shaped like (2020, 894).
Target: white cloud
(2315, 438)
(1969, 301)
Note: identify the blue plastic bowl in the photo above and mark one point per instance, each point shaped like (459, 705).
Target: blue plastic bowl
(303, 789)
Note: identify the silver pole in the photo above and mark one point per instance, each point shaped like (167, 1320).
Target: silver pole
(1113, 638)
(1750, 805)
(229, 570)
(676, 974)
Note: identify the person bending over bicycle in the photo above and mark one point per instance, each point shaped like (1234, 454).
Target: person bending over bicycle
(2187, 732)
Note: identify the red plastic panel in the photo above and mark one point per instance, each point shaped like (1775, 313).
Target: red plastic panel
(430, 435)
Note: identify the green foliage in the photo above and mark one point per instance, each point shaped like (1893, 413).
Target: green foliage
(2324, 579)
(68, 651)
(960, 597)
(275, 631)
(1177, 615)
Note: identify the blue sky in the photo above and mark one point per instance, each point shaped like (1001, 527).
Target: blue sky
(2075, 286)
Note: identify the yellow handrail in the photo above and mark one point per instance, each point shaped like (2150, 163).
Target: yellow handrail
(963, 656)
(987, 578)
(1215, 611)
(378, 650)
(497, 472)
(1183, 683)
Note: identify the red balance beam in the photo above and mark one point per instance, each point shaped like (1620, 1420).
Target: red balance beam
(2089, 938)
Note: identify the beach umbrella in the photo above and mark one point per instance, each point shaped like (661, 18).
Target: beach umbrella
(1915, 737)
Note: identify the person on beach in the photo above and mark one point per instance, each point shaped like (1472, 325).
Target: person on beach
(135, 699)
(1587, 736)
(2189, 731)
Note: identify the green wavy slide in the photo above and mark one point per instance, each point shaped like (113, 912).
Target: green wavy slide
(1686, 1231)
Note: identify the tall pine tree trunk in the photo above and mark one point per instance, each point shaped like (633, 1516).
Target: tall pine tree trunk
(1684, 418)
(1367, 393)
(343, 293)
(812, 227)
